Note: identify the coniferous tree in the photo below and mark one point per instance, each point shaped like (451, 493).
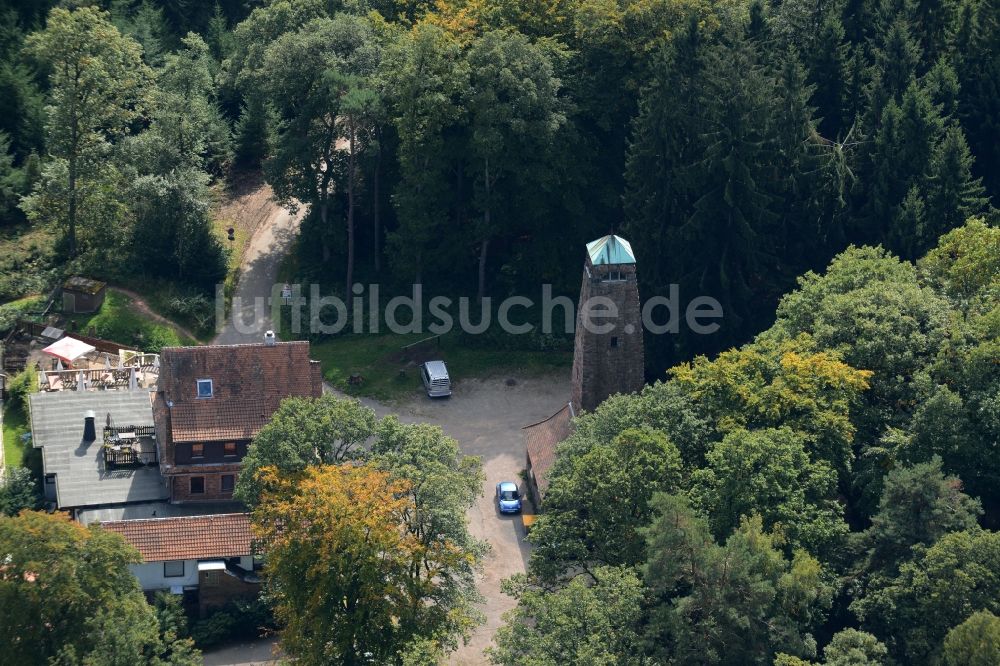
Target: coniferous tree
(979, 73)
(953, 194)
(829, 72)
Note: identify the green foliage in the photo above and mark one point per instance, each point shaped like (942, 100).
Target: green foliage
(18, 490)
(185, 112)
(173, 234)
(600, 500)
(98, 87)
(919, 505)
(67, 596)
(347, 580)
(304, 432)
(582, 623)
(737, 603)
(20, 386)
(237, 620)
(955, 577)
(975, 642)
(965, 264)
(768, 473)
(443, 485)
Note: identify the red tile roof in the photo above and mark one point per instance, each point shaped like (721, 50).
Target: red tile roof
(186, 538)
(248, 384)
(541, 440)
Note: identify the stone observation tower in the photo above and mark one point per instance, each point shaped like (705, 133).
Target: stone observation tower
(609, 361)
(604, 363)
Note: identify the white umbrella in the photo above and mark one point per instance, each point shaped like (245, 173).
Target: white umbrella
(81, 381)
(132, 384)
(59, 365)
(69, 349)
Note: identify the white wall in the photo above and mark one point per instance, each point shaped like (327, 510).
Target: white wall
(150, 575)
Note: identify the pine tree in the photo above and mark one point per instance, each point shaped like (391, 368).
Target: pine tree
(953, 194)
(921, 127)
(666, 141)
(732, 242)
(941, 83)
(908, 224)
(896, 64)
(811, 189)
(828, 70)
(978, 67)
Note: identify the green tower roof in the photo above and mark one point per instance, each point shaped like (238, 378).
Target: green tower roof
(610, 250)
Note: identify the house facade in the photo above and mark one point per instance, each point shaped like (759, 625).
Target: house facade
(212, 400)
(207, 559)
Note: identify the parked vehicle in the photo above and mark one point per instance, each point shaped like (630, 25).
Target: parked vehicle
(436, 380)
(508, 497)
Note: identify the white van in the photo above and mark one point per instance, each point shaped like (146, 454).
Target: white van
(436, 380)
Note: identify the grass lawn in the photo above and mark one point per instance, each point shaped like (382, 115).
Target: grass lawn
(117, 320)
(15, 424)
(379, 360)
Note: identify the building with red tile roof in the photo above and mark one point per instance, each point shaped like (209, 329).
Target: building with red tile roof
(211, 401)
(206, 559)
(541, 441)
(218, 536)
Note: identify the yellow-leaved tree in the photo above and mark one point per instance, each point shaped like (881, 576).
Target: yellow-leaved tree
(348, 582)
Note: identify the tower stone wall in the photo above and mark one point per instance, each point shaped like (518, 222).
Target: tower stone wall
(608, 362)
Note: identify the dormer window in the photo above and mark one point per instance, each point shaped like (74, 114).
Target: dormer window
(204, 388)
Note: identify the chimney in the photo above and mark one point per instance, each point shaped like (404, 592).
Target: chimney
(89, 431)
(269, 338)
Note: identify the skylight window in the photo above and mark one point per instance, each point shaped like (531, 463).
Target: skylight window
(204, 388)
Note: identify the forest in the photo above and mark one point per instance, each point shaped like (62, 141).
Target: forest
(736, 144)
(818, 482)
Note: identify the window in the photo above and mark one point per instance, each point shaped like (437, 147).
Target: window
(614, 342)
(197, 485)
(227, 483)
(204, 388)
(614, 276)
(229, 448)
(174, 569)
(197, 450)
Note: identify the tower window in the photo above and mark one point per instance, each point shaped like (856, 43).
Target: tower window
(614, 276)
(614, 342)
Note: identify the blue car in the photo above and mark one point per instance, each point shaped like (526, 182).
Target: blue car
(508, 497)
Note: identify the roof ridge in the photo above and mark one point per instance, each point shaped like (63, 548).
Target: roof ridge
(132, 521)
(277, 343)
(568, 405)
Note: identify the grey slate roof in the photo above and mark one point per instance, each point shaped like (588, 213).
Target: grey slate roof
(156, 510)
(81, 479)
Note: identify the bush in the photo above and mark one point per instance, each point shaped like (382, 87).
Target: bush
(20, 386)
(237, 620)
(215, 629)
(18, 491)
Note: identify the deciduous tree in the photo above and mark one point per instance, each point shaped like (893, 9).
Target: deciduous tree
(347, 581)
(98, 85)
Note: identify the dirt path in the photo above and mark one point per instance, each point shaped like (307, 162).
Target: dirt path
(251, 314)
(142, 306)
